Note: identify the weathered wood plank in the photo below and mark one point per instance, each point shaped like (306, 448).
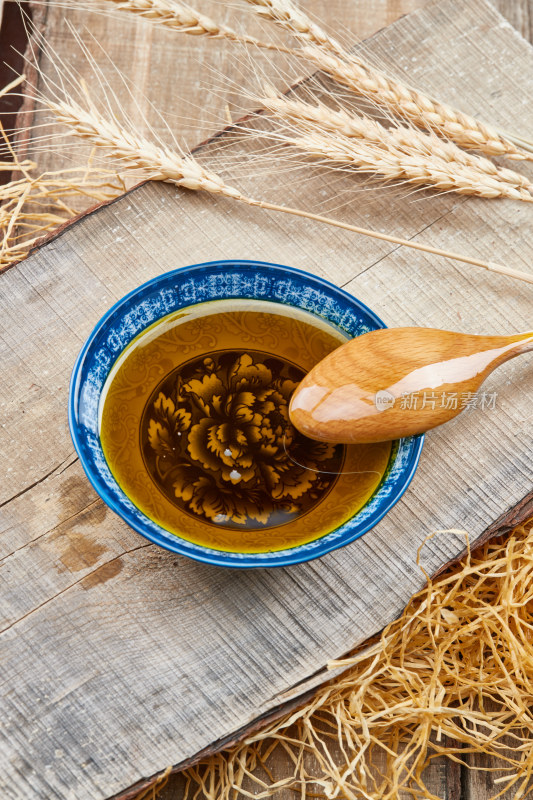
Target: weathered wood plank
(118, 658)
(519, 13)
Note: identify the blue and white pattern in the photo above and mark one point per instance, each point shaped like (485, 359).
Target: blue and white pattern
(197, 284)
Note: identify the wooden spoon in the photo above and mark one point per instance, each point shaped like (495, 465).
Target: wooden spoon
(395, 382)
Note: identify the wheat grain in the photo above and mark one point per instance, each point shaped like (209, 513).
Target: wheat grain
(364, 79)
(285, 14)
(153, 162)
(400, 142)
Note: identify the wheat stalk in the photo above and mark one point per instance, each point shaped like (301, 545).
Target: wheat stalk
(153, 162)
(465, 637)
(38, 203)
(364, 79)
(397, 153)
(34, 203)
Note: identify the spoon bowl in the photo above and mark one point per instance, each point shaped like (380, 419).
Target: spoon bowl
(396, 382)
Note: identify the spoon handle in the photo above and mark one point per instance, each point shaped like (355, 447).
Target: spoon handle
(523, 343)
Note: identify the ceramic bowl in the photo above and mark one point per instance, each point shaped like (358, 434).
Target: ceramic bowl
(185, 287)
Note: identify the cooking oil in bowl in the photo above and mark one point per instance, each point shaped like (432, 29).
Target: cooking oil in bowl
(194, 425)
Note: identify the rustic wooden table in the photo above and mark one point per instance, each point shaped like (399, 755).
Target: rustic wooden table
(73, 513)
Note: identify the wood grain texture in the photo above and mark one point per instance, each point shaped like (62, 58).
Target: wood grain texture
(119, 659)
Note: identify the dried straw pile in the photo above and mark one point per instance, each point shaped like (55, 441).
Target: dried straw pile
(33, 204)
(452, 676)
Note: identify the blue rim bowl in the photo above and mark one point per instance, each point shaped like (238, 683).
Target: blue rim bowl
(197, 284)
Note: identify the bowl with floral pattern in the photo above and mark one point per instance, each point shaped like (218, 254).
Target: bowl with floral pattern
(237, 486)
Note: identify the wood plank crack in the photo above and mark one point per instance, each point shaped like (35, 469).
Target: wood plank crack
(85, 577)
(408, 238)
(37, 482)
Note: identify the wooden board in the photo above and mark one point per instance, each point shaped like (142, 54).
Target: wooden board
(119, 659)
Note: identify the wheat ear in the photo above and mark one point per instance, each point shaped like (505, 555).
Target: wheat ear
(420, 158)
(393, 165)
(182, 18)
(364, 79)
(413, 105)
(135, 152)
(398, 138)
